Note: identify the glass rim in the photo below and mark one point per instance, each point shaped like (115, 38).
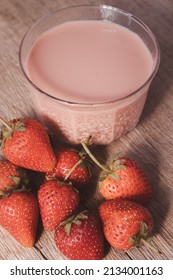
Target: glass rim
(95, 104)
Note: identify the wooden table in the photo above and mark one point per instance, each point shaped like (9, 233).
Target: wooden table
(150, 143)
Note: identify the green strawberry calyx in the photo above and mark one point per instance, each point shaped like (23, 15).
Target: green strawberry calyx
(17, 183)
(117, 164)
(74, 219)
(143, 237)
(4, 194)
(8, 128)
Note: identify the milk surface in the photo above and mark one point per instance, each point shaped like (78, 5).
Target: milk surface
(89, 61)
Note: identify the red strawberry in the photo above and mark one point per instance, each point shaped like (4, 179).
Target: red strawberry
(25, 143)
(19, 216)
(57, 201)
(125, 223)
(125, 180)
(11, 177)
(70, 165)
(81, 237)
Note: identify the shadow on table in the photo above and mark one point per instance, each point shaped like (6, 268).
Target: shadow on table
(149, 160)
(89, 192)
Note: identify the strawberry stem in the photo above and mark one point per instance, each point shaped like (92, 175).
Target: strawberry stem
(6, 124)
(148, 245)
(72, 169)
(87, 150)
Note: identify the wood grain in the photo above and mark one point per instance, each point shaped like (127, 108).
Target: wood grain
(150, 143)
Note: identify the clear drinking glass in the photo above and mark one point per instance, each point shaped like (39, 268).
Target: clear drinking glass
(74, 121)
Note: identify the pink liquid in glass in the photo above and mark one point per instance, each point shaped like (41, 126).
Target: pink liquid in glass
(90, 62)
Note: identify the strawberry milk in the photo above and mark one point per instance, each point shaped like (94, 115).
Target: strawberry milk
(89, 70)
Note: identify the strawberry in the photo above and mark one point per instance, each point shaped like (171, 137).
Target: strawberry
(81, 237)
(11, 177)
(122, 178)
(125, 180)
(70, 166)
(25, 143)
(19, 216)
(125, 223)
(57, 201)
